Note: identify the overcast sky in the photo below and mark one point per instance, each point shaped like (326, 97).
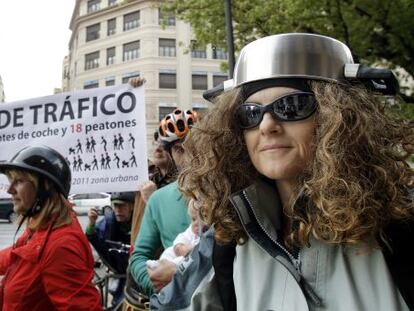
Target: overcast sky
(34, 38)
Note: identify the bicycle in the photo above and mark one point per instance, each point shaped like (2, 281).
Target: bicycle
(106, 276)
(134, 300)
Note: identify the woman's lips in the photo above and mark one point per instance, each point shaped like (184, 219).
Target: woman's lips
(275, 147)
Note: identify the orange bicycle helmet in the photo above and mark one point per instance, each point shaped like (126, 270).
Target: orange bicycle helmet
(176, 125)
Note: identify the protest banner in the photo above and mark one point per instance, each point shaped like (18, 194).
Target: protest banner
(101, 132)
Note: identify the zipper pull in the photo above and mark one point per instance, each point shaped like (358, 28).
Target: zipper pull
(296, 264)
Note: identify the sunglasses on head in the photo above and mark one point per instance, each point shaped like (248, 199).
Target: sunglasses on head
(291, 107)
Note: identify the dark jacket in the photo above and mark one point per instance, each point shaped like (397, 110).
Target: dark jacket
(400, 258)
(109, 229)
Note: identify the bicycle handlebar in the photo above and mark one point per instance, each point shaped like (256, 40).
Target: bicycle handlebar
(119, 247)
(118, 244)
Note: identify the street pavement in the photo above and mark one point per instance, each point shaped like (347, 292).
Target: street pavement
(7, 231)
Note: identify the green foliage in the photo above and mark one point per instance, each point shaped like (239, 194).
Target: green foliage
(375, 30)
(411, 161)
(403, 110)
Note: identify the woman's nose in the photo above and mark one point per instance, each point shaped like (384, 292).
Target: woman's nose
(269, 124)
(11, 189)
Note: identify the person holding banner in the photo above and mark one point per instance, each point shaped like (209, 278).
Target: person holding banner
(165, 214)
(50, 266)
(163, 170)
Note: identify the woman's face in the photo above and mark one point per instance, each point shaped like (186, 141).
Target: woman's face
(23, 192)
(279, 150)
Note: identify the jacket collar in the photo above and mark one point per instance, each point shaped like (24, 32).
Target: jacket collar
(262, 199)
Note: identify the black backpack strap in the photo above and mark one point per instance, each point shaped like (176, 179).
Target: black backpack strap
(223, 258)
(400, 258)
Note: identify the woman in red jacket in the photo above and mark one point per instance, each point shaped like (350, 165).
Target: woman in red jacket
(50, 266)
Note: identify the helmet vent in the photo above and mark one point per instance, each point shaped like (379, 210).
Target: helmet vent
(171, 127)
(181, 125)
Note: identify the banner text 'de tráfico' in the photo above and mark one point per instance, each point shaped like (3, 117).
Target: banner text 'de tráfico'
(101, 132)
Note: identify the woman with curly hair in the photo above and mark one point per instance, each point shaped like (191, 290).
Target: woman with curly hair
(300, 166)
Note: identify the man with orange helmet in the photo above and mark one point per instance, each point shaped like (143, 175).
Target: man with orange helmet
(166, 210)
(172, 131)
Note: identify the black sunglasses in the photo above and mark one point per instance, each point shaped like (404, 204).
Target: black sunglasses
(290, 107)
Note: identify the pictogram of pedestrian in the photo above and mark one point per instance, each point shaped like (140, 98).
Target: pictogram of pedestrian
(132, 160)
(115, 142)
(80, 162)
(102, 162)
(88, 145)
(75, 164)
(103, 142)
(107, 161)
(79, 147)
(93, 144)
(95, 163)
(132, 140)
(120, 142)
(116, 158)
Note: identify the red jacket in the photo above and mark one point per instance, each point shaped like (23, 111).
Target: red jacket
(51, 271)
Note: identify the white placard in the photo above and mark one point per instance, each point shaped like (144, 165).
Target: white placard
(101, 132)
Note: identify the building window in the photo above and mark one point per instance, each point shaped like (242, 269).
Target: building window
(110, 56)
(109, 81)
(94, 5)
(219, 53)
(167, 47)
(197, 51)
(91, 84)
(131, 51)
(167, 19)
(111, 2)
(164, 110)
(111, 27)
(131, 20)
(92, 60)
(167, 80)
(199, 81)
(217, 79)
(130, 75)
(92, 32)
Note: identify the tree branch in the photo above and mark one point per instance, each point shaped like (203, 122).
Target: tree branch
(343, 23)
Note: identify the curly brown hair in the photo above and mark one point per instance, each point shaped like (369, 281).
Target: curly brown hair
(357, 182)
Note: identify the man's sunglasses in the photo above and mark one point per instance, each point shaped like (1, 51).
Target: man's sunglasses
(290, 107)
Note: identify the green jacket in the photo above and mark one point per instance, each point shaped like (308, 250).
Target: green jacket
(164, 218)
